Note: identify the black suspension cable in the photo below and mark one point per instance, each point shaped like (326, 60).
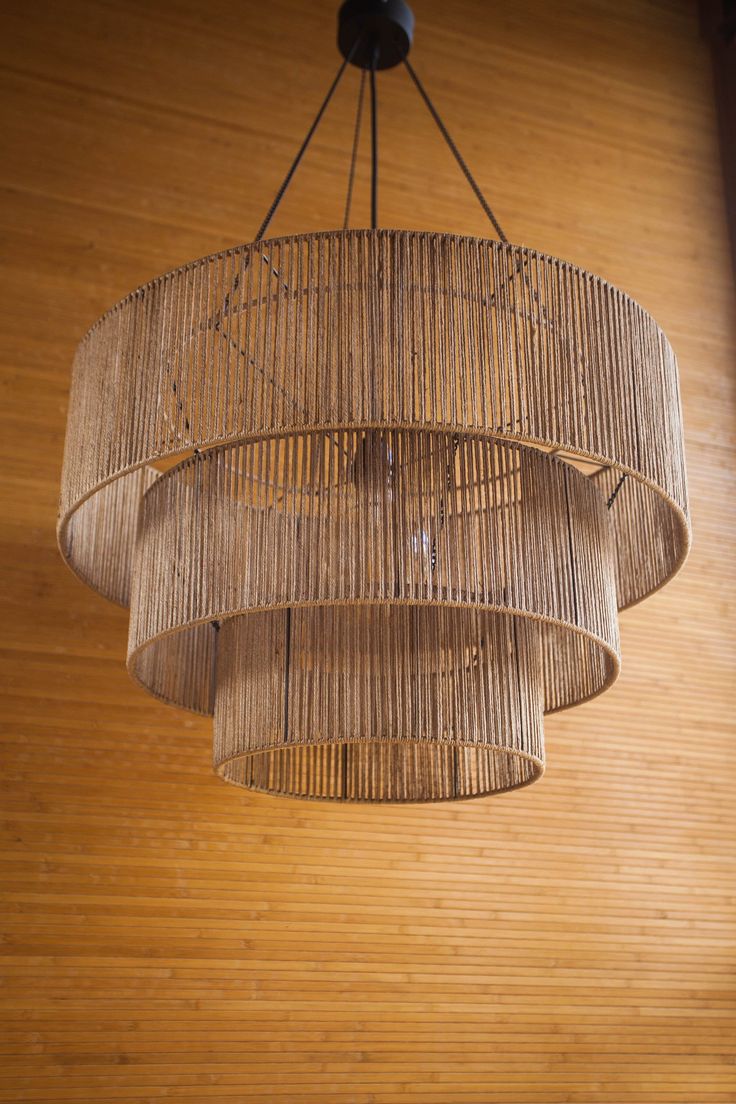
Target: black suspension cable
(455, 151)
(374, 144)
(302, 149)
(356, 144)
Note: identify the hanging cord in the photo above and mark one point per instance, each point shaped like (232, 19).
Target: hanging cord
(374, 143)
(354, 156)
(303, 148)
(455, 151)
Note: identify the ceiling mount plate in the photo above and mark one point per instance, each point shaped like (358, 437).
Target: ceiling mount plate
(379, 31)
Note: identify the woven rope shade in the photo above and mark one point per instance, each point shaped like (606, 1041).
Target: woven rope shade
(414, 476)
(379, 703)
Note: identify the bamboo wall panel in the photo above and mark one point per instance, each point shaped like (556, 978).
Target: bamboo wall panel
(166, 936)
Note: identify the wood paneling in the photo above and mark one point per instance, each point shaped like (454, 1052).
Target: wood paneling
(166, 936)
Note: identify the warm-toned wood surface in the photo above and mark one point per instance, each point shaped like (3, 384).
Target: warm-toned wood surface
(167, 936)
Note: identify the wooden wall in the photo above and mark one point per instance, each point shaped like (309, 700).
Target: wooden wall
(168, 937)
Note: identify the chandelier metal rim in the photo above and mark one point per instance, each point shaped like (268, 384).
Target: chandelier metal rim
(537, 771)
(612, 656)
(144, 468)
(539, 444)
(232, 251)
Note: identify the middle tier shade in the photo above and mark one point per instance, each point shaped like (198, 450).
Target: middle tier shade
(375, 614)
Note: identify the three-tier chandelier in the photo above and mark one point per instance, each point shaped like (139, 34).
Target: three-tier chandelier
(375, 496)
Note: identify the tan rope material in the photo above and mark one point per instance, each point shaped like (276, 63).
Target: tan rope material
(377, 328)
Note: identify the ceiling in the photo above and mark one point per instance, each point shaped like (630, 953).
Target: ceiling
(166, 936)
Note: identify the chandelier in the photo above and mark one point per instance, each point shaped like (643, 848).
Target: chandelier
(375, 497)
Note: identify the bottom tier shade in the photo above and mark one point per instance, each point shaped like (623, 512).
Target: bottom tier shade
(379, 703)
